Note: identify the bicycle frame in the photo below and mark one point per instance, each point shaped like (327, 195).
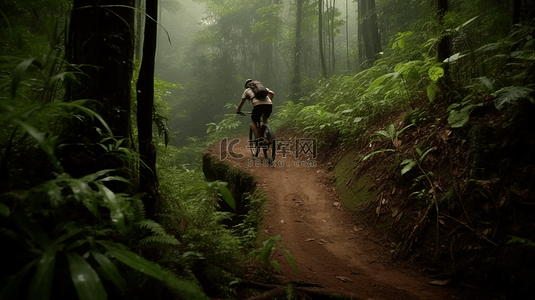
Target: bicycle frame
(266, 141)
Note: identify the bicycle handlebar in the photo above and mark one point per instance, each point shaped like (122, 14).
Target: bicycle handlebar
(244, 113)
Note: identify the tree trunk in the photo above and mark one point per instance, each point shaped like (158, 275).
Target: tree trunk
(296, 76)
(444, 43)
(320, 38)
(517, 8)
(148, 179)
(101, 43)
(374, 27)
(333, 58)
(369, 41)
(347, 39)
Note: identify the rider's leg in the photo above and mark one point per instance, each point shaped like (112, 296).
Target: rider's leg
(255, 129)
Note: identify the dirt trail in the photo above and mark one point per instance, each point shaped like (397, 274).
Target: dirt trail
(329, 249)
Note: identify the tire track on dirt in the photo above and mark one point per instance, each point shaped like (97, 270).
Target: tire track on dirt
(329, 250)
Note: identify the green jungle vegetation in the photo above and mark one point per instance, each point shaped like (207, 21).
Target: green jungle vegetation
(105, 113)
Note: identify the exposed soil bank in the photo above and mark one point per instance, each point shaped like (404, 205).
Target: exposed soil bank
(330, 250)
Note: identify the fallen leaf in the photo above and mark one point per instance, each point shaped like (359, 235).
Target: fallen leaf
(439, 282)
(310, 240)
(322, 242)
(344, 279)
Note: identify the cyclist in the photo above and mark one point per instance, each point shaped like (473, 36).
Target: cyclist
(262, 108)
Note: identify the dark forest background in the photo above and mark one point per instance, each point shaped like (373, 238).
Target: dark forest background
(106, 107)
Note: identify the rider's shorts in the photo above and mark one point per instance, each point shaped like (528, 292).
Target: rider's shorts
(259, 110)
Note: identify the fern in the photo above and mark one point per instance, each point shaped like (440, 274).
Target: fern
(160, 236)
(511, 95)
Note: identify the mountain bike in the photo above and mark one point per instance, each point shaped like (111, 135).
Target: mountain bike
(266, 142)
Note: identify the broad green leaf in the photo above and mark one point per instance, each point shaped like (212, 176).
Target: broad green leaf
(111, 270)
(409, 164)
(83, 193)
(265, 253)
(347, 111)
(379, 80)
(18, 73)
(457, 119)
(435, 73)
(135, 261)
(291, 260)
(454, 58)
(42, 280)
(4, 210)
(112, 203)
(85, 279)
(276, 265)
(227, 196)
(357, 119)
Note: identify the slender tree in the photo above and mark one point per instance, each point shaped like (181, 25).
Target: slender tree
(148, 179)
(333, 58)
(320, 38)
(296, 76)
(347, 38)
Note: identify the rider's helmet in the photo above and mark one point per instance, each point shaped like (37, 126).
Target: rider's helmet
(247, 82)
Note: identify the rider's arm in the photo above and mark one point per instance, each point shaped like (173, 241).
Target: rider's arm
(241, 104)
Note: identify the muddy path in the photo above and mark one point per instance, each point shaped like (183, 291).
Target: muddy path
(304, 208)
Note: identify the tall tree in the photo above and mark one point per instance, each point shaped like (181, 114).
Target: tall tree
(368, 32)
(296, 76)
(320, 38)
(148, 179)
(347, 37)
(101, 44)
(333, 58)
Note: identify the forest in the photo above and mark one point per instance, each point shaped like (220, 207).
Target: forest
(421, 111)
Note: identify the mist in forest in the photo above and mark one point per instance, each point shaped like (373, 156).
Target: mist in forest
(209, 48)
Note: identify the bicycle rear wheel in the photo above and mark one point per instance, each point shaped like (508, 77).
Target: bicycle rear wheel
(270, 148)
(253, 146)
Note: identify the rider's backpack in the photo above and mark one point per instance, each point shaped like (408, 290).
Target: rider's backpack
(259, 90)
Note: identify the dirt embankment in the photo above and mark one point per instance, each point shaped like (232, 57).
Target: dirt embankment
(330, 250)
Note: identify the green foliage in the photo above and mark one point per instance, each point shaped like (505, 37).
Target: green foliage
(391, 133)
(522, 242)
(512, 94)
(269, 247)
(63, 229)
(223, 191)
